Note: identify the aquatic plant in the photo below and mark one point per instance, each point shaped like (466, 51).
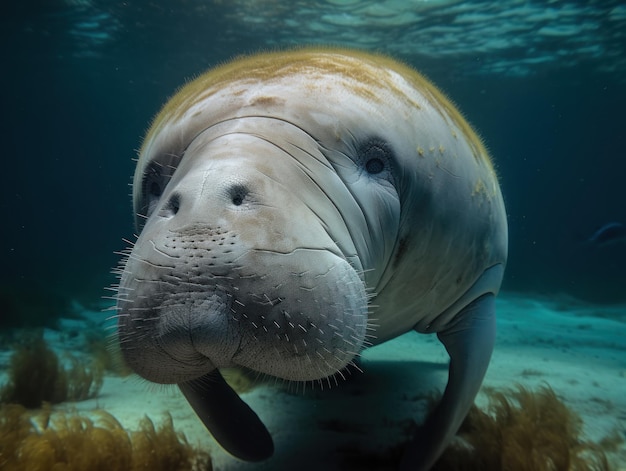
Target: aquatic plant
(83, 381)
(241, 379)
(167, 449)
(36, 375)
(520, 430)
(523, 430)
(71, 442)
(106, 352)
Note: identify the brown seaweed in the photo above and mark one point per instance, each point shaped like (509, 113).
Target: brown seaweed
(71, 442)
(523, 430)
(240, 379)
(37, 375)
(106, 352)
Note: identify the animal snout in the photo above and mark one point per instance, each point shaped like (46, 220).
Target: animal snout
(203, 198)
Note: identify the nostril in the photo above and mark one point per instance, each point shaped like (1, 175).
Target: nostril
(238, 194)
(173, 205)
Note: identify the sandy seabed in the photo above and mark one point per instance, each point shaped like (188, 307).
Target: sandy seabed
(579, 350)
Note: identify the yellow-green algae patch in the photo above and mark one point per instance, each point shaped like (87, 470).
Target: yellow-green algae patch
(344, 62)
(37, 375)
(521, 430)
(70, 442)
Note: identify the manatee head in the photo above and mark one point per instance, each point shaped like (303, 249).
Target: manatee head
(264, 220)
(275, 197)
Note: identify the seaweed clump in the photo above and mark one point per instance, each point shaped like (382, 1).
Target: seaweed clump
(106, 352)
(523, 430)
(36, 375)
(71, 442)
(241, 379)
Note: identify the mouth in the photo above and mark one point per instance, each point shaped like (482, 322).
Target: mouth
(303, 317)
(171, 338)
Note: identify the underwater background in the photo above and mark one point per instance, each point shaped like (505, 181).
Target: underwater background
(543, 82)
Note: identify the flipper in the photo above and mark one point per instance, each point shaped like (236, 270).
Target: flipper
(234, 425)
(469, 340)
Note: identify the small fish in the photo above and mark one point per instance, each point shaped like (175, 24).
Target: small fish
(608, 234)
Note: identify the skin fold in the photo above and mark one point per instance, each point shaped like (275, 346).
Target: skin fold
(285, 200)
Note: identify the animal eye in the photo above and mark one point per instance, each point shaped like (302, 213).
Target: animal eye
(238, 194)
(374, 165)
(155, 189)
(152, 188)
(375, 156)
(155, 177)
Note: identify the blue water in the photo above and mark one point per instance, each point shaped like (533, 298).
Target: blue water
(544, 83)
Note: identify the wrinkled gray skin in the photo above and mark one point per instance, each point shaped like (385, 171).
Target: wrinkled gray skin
(275, 197)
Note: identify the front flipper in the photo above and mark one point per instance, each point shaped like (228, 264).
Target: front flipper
(234, 425)
(469, 341)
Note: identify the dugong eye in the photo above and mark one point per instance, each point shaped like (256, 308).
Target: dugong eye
(374, 165)
(375, 156)
(153, 185)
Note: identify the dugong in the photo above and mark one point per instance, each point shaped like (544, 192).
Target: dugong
(285, 200)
